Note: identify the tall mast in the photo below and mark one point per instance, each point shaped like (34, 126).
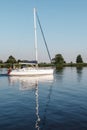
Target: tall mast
(36, 55)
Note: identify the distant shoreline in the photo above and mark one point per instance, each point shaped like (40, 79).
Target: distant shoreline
(7, 65)
(75, 64)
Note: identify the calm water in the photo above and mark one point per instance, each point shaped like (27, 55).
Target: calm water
(45, 102)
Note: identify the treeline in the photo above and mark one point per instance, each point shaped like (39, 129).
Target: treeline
(11, 61)
(58, 61)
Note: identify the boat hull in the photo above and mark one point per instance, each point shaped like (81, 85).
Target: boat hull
(30, 72)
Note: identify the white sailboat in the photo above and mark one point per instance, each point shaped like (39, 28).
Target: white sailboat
(33, 71)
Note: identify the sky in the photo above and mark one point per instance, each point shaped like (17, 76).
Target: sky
(64, 23)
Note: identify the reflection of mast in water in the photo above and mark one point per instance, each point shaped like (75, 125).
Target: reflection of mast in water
(30, 83)
(37, 109)
(47, 106)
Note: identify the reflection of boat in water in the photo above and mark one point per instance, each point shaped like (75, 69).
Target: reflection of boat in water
(29, 83)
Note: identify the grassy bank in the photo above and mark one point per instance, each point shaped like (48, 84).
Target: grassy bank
(78, 65)
(7, 65)
(75, 65)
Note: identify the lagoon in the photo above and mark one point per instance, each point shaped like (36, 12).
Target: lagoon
(57, 102)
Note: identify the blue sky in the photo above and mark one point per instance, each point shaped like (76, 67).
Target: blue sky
(64, 23)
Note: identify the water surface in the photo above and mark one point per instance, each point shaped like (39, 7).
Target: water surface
(45, 102)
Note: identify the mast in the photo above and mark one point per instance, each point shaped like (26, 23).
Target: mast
(36, 55)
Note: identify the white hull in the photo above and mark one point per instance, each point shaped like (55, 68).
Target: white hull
(30, 72)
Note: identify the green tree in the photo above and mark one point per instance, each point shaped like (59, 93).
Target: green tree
(19, 60)
(11, 59)
(79, 59)
(1, 61)
(58, 59)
